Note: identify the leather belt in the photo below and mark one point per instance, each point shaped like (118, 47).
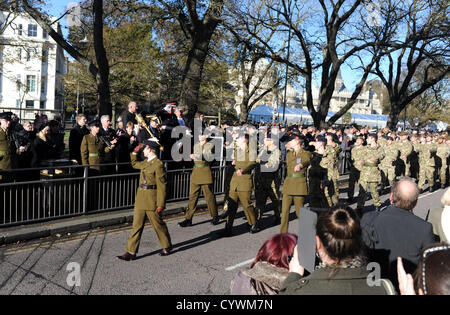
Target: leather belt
(3, 153)
(296, 175)
(145, 187)
(93, 154)
(370, 164)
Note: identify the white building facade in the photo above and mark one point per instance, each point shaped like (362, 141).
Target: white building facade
(32, 67)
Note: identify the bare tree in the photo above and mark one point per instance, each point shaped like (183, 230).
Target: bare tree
(424, 47)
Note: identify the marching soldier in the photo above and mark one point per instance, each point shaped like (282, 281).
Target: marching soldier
(241, 186)
(150, 200)
(294, 188)
(442, 153)
(201, 179)
(93, 149)
(318, 176)
(387, 164)
(370, 174)
(6, 147)
(267, 179)
(330, 162)
(426, 150)
(357, 160)
(405, 147)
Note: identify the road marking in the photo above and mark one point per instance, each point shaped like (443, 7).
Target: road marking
(240, 264)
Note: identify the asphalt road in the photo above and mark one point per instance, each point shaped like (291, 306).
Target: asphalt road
(201, 263)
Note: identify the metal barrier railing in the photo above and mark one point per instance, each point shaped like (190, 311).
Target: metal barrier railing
(80, 193)
(46, 197)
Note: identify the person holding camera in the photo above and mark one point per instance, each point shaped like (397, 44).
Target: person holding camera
(150, 200)
(343, 265)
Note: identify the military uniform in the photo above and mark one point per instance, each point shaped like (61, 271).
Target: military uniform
(201, 179)
(294, 186)
(241, 187)
(93, 151)
(387, 165)
(267, 183)
(150, 195)
(405, 147)
(330, 162)
(357, 158)
(370, 175)
(427, 164)
(317, 181)
(6, 155)
(442, 153)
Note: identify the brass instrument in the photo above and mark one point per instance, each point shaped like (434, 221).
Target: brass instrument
(142, 122)
(105, 140)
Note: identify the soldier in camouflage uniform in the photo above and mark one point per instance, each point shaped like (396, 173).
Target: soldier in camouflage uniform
(442, 154)
(318, 181)
(267, 181)
(387, 164)
(357, 160)
(330, 162)
(370, 174)
(405, 148)
(426, 149)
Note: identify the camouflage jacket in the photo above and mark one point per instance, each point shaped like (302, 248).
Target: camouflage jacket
(426, 151)
(372, 158)
(405, 148)
(443, 151)
(357, 154)
(390, 156)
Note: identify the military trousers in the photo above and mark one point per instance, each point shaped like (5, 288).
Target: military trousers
(406, 172)
(233, 201)
(193, 199)
(443, 172)
(387, 174)
(353, 179)
(299, 201)
(373, 186)
(426, 173)
(138, 226)
(267, 189)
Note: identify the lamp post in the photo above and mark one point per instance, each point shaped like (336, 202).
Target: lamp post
(288, 55)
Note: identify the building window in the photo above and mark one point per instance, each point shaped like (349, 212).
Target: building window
(19, 53)
(44, 54)
(29, 104)
(42, 105)
(31, 83)
(32, 30)
(20, 29)
(44, 34)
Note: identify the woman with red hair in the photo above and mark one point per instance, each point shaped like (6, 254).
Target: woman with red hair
(269, 269)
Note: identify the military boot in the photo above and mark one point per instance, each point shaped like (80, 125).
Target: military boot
(185, 223)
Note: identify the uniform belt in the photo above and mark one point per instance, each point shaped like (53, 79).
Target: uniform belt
(3, 153)
(370, 164)
(196, 164)
(143, 186)
(93, 154)
(296, 175)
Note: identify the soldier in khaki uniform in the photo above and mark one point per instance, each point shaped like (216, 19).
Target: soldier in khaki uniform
(405, 147)
(267, 179)
(331, 159)
(241, 186)
(93, 149)
(201, 179)
(294, 187)
(150, 200)
(370, 174)
(6, 148)
(387, 164)
(357, 159)
(442, 153)
(426, 149)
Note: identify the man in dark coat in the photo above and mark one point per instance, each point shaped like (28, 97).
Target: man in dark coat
(397, 232)
(130, 114)
(168, 122)
(108, 135)
(76, 137)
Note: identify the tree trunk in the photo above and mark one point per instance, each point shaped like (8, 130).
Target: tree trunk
(244, 111)
(102, 78)
(394, 115)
